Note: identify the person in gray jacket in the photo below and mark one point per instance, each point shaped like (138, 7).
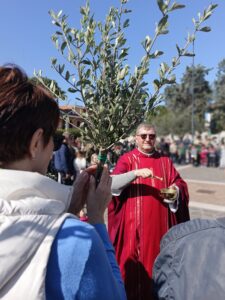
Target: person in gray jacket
(191, 263)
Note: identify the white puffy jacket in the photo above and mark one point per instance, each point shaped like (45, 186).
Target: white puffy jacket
(32, 208)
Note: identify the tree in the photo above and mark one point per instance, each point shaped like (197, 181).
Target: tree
(218, 106)
(161, 117)
(168, 122)
(97, 72)
(195, 90)
(52, 85)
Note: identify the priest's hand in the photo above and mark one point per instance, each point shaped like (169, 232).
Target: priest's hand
(144, 173)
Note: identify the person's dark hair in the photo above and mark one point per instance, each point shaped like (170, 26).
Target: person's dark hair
(24, 107)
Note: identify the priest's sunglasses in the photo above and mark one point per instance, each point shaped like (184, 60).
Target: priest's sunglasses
(150, 136)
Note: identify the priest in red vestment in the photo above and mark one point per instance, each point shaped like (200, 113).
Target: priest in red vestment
(138, 216)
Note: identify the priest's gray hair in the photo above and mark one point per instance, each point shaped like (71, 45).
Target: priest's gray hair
(146, 126)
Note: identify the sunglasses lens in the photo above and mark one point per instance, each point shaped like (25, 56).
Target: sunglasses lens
(151, 136)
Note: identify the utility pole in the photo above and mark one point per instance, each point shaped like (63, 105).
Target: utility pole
(192, 93)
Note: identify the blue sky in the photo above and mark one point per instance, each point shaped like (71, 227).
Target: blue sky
(26, 29)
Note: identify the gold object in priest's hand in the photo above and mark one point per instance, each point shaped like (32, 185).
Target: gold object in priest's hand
(168, 193)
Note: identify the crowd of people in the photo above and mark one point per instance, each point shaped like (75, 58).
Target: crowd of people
(202, 152)
(74, 156)
(148, 250)
(208, 152)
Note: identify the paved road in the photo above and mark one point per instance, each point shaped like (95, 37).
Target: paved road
(206, 188)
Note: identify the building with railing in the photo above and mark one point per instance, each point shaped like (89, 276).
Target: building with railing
(70, 116)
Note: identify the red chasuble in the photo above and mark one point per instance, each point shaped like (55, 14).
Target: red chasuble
(138, 219)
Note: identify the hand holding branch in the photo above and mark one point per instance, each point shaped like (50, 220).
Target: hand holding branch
(96, 198)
